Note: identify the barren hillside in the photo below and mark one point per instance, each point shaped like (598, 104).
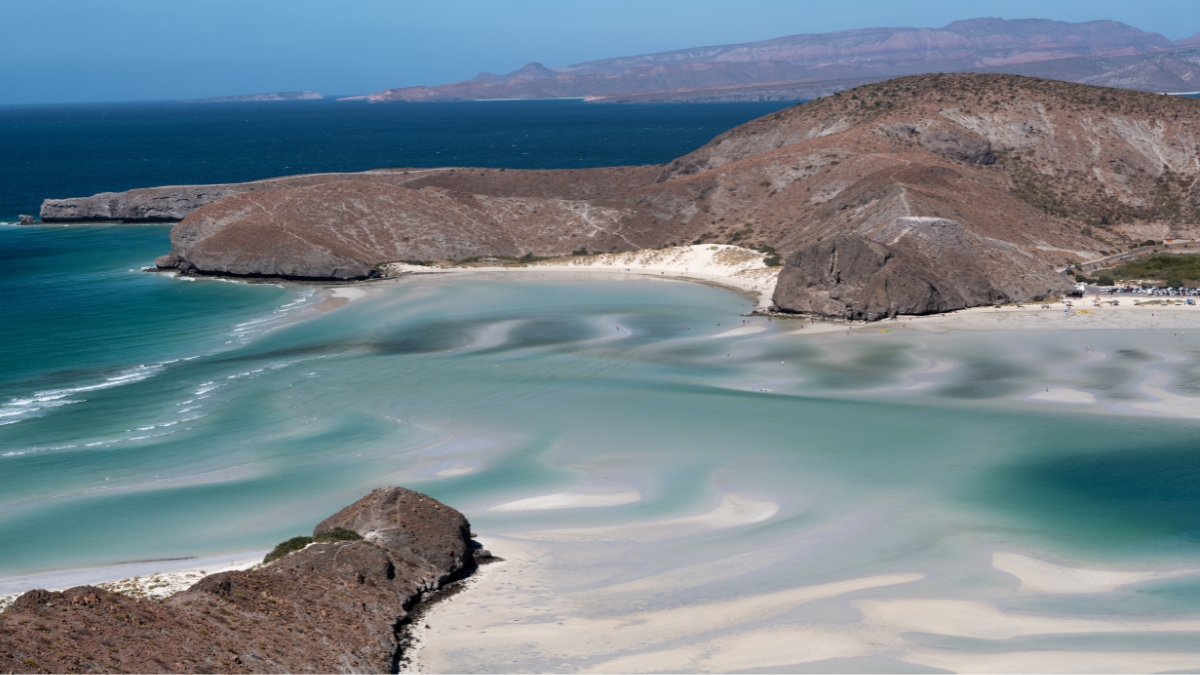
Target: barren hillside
(915, 195)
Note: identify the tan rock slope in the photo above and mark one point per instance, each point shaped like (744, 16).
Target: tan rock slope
(946, 191)
(331, 607)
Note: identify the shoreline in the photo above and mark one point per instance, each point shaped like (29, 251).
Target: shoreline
(743, 271)
(146, 579)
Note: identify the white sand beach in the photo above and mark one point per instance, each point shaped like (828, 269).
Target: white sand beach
(734, 267)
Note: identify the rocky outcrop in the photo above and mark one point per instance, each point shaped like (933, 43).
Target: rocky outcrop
(25, 220)
(153, 205)
(929, 266)
(337, 606)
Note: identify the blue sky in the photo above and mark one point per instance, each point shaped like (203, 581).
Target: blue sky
(121, 50)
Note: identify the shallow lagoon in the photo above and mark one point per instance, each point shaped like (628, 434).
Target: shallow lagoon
(719, 457)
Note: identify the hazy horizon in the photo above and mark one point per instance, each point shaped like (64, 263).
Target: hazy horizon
(135, 50)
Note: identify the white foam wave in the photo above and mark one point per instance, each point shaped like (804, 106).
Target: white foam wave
(23, 408)
(248, 330)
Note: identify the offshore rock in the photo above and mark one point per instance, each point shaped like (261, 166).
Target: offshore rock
(331, 607)
(25, 220)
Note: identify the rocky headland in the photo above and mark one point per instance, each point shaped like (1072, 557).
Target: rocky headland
(337, 605)
(915, 195)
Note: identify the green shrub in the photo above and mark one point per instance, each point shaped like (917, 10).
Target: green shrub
(298, 543)
(338, 534)
(290, 546)
(1171, 266)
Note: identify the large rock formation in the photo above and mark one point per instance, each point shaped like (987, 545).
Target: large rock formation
(331, 607)
(977, 186)
(928, 265)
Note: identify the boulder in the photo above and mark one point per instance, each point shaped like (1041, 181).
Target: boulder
(25, 220)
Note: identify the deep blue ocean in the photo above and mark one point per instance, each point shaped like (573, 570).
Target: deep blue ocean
(79, 150)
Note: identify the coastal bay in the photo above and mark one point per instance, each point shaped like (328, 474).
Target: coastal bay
(703, 487)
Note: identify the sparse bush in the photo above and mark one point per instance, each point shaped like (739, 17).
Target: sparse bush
(1175, 267)
(772, 258)
(338, 534)
(290, 546)
(298, 543)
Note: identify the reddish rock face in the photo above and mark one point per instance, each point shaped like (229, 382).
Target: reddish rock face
(332, 607)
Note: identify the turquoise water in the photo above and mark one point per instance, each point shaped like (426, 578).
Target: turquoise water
(167, 418)
(133, 436)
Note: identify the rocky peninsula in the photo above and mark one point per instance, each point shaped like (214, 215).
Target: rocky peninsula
(339, 604)
(912, 196)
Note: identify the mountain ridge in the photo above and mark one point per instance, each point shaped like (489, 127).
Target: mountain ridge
(870, 54)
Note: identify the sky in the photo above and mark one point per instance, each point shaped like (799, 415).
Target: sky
(58, 51)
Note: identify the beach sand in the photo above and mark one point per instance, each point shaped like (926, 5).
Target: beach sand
(733, 267)
(554, 606)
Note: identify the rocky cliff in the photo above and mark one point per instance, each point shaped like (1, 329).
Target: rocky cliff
(951, 191)
(336, 606)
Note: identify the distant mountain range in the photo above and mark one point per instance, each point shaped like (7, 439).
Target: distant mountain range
(1107, 53)
(278, 96)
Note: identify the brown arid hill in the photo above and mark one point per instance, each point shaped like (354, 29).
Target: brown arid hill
(919, 194)
(801, 67)
(335, 606)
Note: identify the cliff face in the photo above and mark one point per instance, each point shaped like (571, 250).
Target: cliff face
(332, 607)
(976, 187)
